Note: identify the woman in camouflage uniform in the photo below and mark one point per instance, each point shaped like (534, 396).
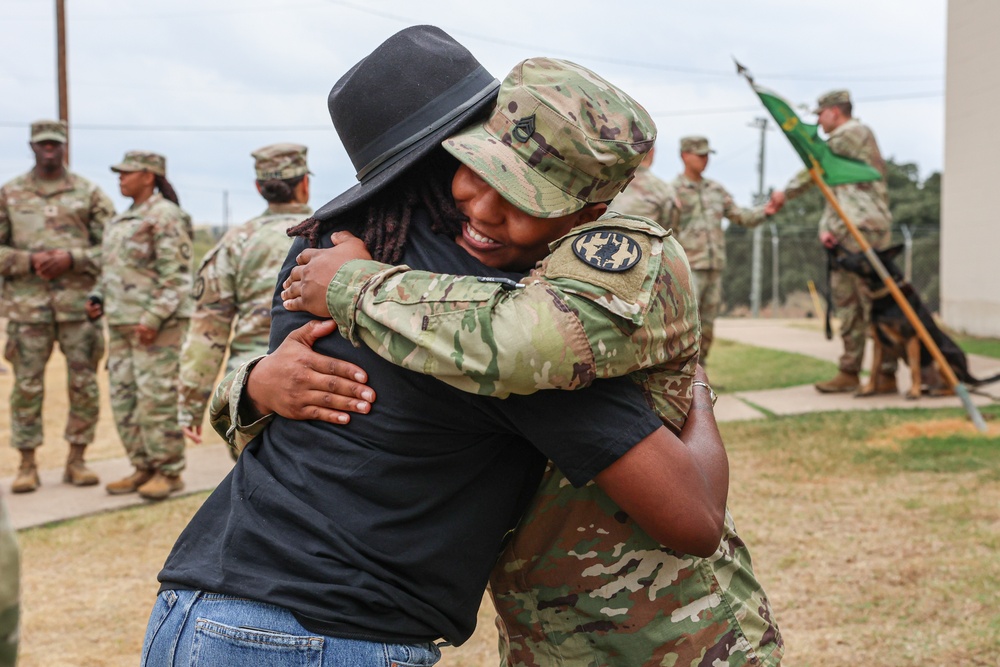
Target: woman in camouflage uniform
(145, 292)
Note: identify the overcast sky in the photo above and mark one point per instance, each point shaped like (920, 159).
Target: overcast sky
(205, 82)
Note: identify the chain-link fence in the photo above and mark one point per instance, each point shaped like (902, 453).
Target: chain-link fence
(790, 258)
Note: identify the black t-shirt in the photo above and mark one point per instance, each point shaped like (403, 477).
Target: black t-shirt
(386, 529)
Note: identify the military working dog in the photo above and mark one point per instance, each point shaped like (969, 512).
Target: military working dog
(892, 332)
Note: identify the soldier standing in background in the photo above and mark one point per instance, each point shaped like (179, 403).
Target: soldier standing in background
(649, 197)
(10, 581)
(51, 226)
(145, 291)
(867, 205)
(236, 282)
(704, 203)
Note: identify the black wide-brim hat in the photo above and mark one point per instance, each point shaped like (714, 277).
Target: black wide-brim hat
(400, 102)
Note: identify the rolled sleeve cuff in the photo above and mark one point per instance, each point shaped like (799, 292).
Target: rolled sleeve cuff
(240, 434)
(349, 284)
(150, 320)
(21, 264)
(80, 258)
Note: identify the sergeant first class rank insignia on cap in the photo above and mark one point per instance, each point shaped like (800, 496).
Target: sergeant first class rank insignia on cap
(607, 251)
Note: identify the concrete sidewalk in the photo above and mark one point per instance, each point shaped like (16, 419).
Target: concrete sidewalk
(805, 337)
(209, 464)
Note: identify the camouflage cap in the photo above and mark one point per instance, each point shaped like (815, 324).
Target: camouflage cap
(142, 161)
(48, 130)
(696, 145)
(831, 98)
(280, 161)
(559, 138)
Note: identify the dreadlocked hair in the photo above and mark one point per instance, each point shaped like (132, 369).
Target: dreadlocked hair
(167, 190)
(384, 223)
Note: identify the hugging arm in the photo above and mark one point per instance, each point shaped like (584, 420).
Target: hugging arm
(676, 487)
(293, 381)
(566, 325)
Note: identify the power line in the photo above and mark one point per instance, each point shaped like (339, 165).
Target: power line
(327, 128)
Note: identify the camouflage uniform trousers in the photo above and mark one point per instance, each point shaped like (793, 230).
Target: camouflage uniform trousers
(9, 590)
(144, 395)
(29, 346)
(708, 289)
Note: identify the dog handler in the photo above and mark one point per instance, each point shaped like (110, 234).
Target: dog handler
(867, 204)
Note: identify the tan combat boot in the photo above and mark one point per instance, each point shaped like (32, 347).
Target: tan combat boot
(885, 384)
(129, 484)
(27, 475)
(77, 473)
(842, 382)
(160, 486)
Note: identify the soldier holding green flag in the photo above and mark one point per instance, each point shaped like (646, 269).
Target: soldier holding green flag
(866, 202)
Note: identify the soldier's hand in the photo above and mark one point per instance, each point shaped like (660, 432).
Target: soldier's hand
(146, 335)
(298, 383)
(50, 264)
(192, 433)
(827, 239)
(305, 288)
(775, 203)
(94, 309)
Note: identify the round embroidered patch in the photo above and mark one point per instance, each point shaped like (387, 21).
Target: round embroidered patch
(607, 251)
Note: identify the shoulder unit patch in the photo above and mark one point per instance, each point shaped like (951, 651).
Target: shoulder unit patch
(607, 250)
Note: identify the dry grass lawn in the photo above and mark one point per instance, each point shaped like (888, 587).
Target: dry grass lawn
(876, 536)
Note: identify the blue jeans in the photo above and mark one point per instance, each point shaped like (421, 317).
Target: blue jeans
(198, 629)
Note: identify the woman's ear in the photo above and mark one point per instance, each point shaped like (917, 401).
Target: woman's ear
(591, 212)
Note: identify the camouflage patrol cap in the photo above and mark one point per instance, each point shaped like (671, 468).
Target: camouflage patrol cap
(142, 161)
(559, 138)
(696, 145)
(280, 161)
(832, 98)
(48, 130)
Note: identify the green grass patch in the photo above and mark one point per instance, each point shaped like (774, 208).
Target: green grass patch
(988, 347)
(946, 454)
(203, 242)
(804, 446)
(739, 367)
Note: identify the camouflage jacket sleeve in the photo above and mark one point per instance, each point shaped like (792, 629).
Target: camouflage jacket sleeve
(173, 267)
(745, 217)
(236, 428)
(208, 333)
(88, 260)
(570, 324)
(799, 184)
(13, 262)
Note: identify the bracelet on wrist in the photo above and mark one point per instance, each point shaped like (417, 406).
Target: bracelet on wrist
(711, 392)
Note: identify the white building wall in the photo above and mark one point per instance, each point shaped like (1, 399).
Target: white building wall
(970, 215)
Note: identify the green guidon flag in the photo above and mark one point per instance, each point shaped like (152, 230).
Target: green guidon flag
(805, 140)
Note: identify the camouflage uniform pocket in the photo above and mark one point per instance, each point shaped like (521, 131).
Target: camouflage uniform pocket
(97, 344)
(10, 349)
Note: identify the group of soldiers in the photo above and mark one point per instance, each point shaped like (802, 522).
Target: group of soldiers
(693, 207)
(58, 287)
(52, 223)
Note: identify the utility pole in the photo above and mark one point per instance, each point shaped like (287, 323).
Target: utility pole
(757, 248)
(61, 65)
(225, 211)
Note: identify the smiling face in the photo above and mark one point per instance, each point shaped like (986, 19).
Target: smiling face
(499, 234)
